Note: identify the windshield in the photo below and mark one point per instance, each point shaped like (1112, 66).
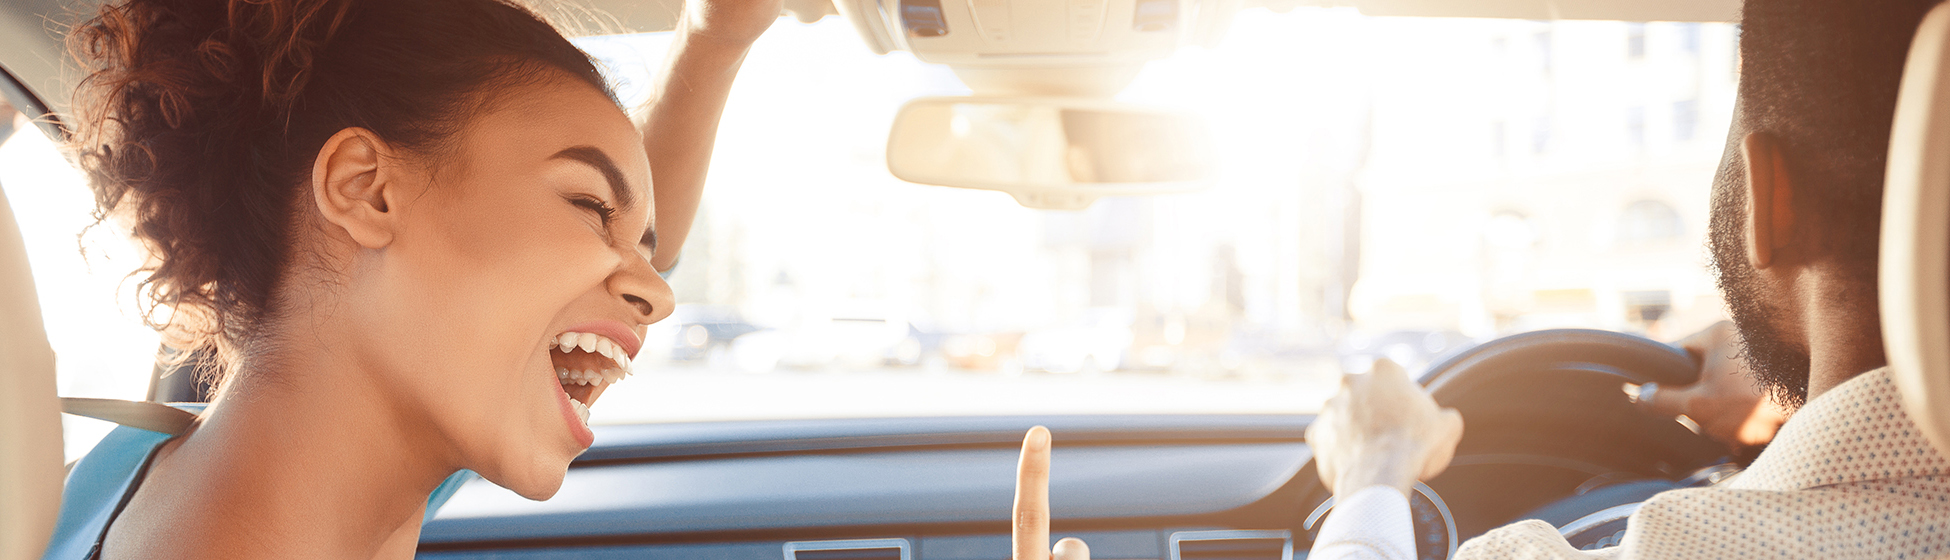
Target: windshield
(1389, 187)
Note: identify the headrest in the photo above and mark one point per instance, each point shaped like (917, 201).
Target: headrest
(1914, 275)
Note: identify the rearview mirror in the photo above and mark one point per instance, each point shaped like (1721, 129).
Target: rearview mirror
(1051, 153)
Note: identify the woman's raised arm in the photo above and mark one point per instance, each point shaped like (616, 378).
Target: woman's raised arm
(712, 39)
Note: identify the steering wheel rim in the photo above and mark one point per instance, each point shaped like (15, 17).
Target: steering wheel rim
(1633, 359)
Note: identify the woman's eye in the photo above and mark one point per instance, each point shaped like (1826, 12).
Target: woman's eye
(601, 208)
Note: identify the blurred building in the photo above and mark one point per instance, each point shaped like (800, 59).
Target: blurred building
(1546, 174)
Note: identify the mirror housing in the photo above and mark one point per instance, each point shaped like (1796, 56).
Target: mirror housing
(1050, 153)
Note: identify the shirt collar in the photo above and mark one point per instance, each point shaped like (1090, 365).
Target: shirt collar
(1856, 432)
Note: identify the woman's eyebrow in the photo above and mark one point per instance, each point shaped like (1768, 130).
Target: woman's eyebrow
(593, 157)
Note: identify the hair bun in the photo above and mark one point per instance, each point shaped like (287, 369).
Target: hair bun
(253, 54)
(199, 120)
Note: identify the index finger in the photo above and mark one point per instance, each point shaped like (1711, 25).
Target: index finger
(1030, 534)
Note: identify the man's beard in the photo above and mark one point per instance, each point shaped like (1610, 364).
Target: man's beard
(1778, 364)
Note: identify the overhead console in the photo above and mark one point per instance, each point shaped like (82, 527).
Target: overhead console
(1040, 126)
(1086, 48)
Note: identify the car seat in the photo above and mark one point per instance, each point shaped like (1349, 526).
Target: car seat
(1914, 279)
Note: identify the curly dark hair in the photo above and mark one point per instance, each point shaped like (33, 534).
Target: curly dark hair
(199, 120)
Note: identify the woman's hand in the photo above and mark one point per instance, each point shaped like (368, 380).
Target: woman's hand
(1726, 403)
(1382, 429)
(735, 22)
(1030, 534)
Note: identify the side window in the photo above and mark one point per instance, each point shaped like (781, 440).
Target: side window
(101, 347)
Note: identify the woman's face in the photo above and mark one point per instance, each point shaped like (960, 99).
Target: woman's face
(525, 256)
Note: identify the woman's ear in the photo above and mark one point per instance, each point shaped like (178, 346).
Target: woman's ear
(353, 184)
(1770, 199)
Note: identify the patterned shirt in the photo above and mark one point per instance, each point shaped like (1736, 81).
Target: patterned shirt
(1849, 476)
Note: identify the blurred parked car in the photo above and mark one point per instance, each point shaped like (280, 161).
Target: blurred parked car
(854, 336)
(697, 330)
(1098, 344)
(976, 351)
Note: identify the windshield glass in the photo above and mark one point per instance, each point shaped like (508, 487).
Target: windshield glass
(1389, 187)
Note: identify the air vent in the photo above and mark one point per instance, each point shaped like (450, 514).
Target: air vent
(1232, 545)
(859, 549)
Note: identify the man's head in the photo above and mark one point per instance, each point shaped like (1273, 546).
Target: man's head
(1797, 204)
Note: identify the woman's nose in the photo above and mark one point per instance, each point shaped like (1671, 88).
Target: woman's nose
(645, 290)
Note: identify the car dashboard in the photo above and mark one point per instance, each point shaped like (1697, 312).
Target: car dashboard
(1166, 486)
(1551, 437)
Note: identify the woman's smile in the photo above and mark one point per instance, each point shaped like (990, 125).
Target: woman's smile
(587, 358)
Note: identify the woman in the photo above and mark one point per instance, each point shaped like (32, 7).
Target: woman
(420, 235)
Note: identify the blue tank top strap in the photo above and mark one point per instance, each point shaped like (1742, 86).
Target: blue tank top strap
(446, 490)
(99, 485)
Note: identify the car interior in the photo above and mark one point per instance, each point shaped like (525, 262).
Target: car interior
(1031, 109)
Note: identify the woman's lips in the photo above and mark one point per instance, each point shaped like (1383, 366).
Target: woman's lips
(614, 330)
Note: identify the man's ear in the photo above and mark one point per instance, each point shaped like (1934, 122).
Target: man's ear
(352, 183)
(1770, 199)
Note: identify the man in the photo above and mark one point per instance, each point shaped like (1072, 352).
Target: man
(1796, 210)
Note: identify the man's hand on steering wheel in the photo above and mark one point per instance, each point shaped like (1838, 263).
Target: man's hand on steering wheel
(1726, 402)
(1382, 429)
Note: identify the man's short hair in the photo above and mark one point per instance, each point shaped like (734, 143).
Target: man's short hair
(1821, 76)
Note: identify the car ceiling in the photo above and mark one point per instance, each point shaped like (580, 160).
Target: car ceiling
(31, 49)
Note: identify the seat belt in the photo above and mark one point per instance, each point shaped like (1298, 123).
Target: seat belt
(142, 415)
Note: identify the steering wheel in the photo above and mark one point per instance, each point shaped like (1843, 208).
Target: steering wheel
(1550, 434)
(1631, 359)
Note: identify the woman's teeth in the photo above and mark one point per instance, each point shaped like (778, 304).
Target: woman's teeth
(592, 343)
(582, 410)
(589, 376)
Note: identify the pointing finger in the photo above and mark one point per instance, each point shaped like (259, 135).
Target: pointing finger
(1031, 532)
